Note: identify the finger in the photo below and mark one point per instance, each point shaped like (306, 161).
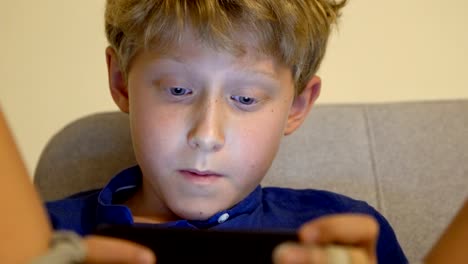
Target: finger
(293, 253)
(346, 229)
(107, 250)
(340, 228)
(358, 255)
(336, 254)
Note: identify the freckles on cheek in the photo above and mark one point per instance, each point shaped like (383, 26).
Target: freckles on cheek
(258, 148)
(153, 129)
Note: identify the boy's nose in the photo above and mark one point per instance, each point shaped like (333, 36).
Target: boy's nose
(207, 131)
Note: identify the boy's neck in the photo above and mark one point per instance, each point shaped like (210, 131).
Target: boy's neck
(147, 209)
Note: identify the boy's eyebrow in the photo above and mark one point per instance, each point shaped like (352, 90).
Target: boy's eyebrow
(252, 73)
(259, 73)
(266, 80)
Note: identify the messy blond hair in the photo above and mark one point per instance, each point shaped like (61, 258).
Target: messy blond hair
(295, 32)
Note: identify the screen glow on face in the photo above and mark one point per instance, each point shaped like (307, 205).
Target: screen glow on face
(206, 126)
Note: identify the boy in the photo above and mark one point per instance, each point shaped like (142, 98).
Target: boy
(211, 87)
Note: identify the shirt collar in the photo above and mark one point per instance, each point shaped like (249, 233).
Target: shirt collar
(125, 183)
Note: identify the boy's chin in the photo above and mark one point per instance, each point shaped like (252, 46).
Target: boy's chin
(197, 213)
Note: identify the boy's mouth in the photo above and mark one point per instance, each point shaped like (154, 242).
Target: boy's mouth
(197, 176)
(193, 172)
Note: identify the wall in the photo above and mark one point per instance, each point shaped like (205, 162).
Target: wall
(52, 66)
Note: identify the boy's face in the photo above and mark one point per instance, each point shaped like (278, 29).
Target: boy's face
(206, 125)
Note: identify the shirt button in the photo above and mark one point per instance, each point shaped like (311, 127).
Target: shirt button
(223, 218)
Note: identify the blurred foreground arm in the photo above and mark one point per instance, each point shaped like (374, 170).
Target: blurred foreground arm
(452, 247)
(24, 226)
(25, 229)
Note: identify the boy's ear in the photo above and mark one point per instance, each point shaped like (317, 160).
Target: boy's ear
(302, 104)
(117, 83)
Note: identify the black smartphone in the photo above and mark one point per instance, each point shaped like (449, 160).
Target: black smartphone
(175, 245)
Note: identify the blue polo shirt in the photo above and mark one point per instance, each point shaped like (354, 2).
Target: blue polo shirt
(264, 209)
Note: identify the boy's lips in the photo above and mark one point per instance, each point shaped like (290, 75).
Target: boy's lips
(200, 177)
(195, 172)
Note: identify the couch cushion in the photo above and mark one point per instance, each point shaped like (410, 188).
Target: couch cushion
(84, 155)
(420, 152)
(330, 151)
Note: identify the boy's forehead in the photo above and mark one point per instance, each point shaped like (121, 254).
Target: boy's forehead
(251, 62)
(189, 46)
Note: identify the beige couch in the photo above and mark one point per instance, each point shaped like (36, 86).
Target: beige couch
(409, 160)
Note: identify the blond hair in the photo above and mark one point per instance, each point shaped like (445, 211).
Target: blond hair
(295, 32)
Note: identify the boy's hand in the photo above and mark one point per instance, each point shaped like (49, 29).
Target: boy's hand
(336, 239)
(106, 250)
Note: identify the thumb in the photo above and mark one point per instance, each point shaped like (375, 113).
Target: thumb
(343, 229)
(106, 250)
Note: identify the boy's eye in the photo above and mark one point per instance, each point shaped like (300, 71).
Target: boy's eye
(178, 91)
(245, 100)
